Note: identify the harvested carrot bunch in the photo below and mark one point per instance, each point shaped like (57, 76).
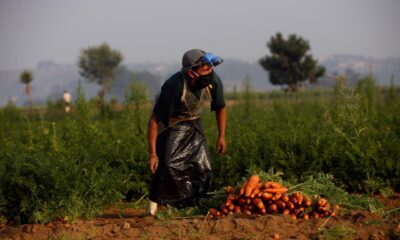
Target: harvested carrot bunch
(260, 198)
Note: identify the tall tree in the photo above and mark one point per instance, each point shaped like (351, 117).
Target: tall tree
(289, 62)
(26, 78)
(97, 64)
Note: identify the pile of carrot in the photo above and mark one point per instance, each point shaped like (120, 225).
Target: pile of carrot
(260, 198)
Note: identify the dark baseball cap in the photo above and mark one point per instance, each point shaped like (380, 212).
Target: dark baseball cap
(192, 57)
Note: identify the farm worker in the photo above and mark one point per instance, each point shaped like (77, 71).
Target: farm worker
(67, 101)
(178, 153)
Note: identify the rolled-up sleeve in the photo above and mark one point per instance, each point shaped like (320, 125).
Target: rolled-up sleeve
(165, 102)
(217, 94)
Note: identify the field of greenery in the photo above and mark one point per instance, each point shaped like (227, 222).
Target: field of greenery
(55, 164)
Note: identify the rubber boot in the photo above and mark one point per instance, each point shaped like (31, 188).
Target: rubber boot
(152, 208)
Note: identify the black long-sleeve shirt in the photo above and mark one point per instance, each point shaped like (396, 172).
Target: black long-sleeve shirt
(172, 90)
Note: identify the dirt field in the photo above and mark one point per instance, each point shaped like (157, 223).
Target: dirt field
(347, 225)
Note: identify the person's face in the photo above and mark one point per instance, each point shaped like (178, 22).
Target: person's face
(204, 70)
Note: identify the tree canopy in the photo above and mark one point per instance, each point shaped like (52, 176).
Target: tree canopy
(98, 64)
(26, 78)
(289, 62)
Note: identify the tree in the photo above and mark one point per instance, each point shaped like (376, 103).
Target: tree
(97, 64)
(26, 78)
(123, 78)
(289, 63)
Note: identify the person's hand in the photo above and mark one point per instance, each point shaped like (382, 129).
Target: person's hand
(221, 145)
(153, 163)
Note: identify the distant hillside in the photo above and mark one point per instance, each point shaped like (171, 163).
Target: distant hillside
(51, 79)
(382, 69)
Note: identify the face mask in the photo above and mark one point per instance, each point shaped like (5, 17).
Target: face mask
(204, 81)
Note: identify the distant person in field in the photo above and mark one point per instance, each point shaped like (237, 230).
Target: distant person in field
(178, 153)
(67, 101)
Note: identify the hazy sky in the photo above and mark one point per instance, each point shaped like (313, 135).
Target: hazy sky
(158, 31)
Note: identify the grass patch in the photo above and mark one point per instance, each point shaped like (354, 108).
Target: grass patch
(338, 232)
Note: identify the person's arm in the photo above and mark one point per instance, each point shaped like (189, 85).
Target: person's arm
(161, 111)
(152, 139)
(221, 121)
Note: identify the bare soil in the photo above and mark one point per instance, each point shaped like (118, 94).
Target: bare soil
(349, 224)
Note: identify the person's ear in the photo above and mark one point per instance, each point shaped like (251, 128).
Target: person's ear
(192, 74)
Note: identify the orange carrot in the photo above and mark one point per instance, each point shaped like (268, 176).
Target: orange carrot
(286, 211)
(295, 211)
(299, 198)
(258, 203)
(321, 202)
(254, 179)
(238, 209)
(276, 196)
(289, 205)
(272, 208)
(241, 191)
(231, 207)
(248, 201)
(224, 210)
(293, 199)
(307, 202)
(275, 185)
(285, 197)
(321, 210)
(267, 184)
(251, 185)
(266, 196)
(255, 192)
(263, 211)
(231, 197)
(276, 190)
(327, 207)
(280, 204)
(213, 211)
(229, 190)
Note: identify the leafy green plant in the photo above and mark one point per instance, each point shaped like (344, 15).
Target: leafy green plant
(56, 165)
(327, 186)
(387, 192)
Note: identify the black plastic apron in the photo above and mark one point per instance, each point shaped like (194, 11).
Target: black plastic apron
(184, 171)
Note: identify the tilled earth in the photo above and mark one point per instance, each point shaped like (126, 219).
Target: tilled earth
(349, 224)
